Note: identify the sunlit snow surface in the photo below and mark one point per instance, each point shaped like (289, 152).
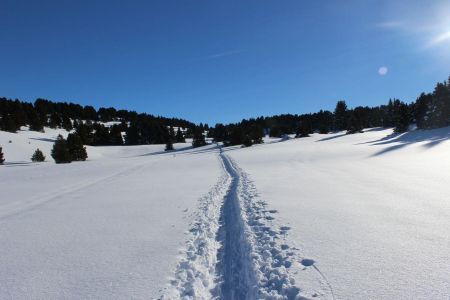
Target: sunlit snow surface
(109, 228)
(372, 209)
(364, 216)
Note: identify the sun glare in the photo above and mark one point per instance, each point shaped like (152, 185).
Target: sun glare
(439, 39)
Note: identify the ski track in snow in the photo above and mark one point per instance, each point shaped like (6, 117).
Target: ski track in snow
(235, 249)
(25, 206)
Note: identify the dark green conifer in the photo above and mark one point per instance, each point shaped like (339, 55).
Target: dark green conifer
(402, 118)
(2, 158)
(179, 138)
(198, 139)
(303, 129)
(60, 151)
(76, 149)
(340, 115)
(38, 156)
(35, 122)
(247, 142)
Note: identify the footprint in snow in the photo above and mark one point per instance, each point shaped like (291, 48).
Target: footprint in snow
(284, 247)
(307, 262)
(284, 229)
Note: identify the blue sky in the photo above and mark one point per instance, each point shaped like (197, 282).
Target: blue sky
(221, 61)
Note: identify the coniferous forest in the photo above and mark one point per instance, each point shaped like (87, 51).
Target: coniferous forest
(430, 110)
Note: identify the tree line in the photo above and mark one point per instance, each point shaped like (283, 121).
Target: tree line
(430, 110)
(88, 122)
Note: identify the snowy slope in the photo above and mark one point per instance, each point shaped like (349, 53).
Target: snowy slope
(19, 147)
(111, 227)
(335, 216)
(370, 210)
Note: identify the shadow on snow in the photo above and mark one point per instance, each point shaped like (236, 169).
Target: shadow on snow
(397, 141)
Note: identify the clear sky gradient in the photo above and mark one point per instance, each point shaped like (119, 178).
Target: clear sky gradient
(221, 61)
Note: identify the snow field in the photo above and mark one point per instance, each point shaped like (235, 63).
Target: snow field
(370, 210)
(100, 229)
(335, 216)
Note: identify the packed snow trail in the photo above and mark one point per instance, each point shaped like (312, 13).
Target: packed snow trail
(256, 257)
(235, 263)
(236, 250)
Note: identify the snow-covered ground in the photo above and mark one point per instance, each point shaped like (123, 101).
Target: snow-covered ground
(371, 210)
(110, 227)
(336, 216)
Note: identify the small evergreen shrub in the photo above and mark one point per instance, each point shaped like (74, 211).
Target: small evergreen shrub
(38, 156)
(2, 158)
(169, 146)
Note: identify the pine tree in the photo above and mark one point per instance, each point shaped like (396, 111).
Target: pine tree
(66, 123)
(420, 110)
(388, 119)
(35, 122)
(38, 156)
(402, 118)
(55, 120)
(20, 116)
(60, 151)
(353, 124)
(169, 145)
(171, 133)
(189, 132)
(169, 136)
(303, 129)
(115, 135)
(101, 135)
(247, 142)
(324, 121)
(256, 134)
(219, 132)
(275, 131)
(179, 138)
(9, 124)
(198, 139)
(132, 135)
(2, 158)
(76, 149)
(236, 136)
(439, 110)
(340, 115)
(85, 132)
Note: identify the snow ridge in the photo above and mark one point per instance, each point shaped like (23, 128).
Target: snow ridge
(270, 255)
(195, 275)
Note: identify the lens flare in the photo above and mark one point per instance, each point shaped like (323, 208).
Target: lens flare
(382, 71)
